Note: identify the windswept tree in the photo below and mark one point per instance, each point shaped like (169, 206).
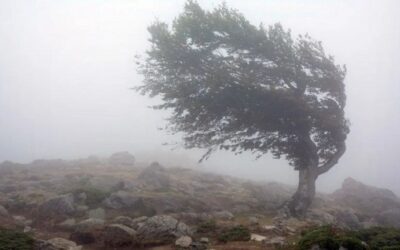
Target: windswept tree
(231, 85)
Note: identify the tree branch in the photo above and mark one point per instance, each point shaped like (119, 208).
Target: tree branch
(329, 164)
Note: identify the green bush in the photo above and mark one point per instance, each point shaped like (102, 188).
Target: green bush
(377, 238)
(328, 237)
(14, 240)
(207, 226)
(238, 233)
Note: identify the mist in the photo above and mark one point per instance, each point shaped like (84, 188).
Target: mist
(67, 69)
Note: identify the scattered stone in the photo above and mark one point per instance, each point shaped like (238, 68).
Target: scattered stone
(183, 242)
(257, 237)
(347, 219)
(277, 241)
(27, 229)
(117, 235)
(204, 240)
(253, 220)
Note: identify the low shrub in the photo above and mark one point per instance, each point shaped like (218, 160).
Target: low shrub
(207, 226)
(237, 233)
(14, 240)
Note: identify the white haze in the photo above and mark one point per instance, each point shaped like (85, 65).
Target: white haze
(66, 69)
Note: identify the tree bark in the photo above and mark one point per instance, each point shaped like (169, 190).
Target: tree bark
(302, 199)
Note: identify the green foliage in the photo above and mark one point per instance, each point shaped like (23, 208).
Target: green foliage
(331, 238)
(238, 233)
(234, 86)
(325, 237)
(207, 226)
(14, 240)
(379, 237)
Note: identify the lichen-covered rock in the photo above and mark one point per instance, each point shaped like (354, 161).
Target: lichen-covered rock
(117, 235)
(161, 229)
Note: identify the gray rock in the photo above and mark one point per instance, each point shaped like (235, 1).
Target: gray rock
(122, 199)
(161, 229)
(68, 224)
(3, 212)
(60, 205)
(154, 177)
(277, 241)
(223, 215)
(253, 220)
(183, 242)
(124, 220)
(365, 199)
(89, 225)
(320, 217)
(204, 240)
(98, 213)
(390, 217)
(347, 219)
(117, 235)
(56, 244)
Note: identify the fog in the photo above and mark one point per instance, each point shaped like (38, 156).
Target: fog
(67, 69)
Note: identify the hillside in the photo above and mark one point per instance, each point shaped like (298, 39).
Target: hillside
(115, 203)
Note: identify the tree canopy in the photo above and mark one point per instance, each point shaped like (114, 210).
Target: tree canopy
(235, 86)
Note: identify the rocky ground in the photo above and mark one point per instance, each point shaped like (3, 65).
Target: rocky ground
(115, 203)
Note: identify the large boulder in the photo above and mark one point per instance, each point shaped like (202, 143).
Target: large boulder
(117, 235)
(154, 177)
(365, 199)
(122, 159)
(161, 229)
(122, 199)
(59, 205)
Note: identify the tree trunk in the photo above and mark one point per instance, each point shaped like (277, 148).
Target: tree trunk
(302, 199)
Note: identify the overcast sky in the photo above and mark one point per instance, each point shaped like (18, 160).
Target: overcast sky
(66, 69)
